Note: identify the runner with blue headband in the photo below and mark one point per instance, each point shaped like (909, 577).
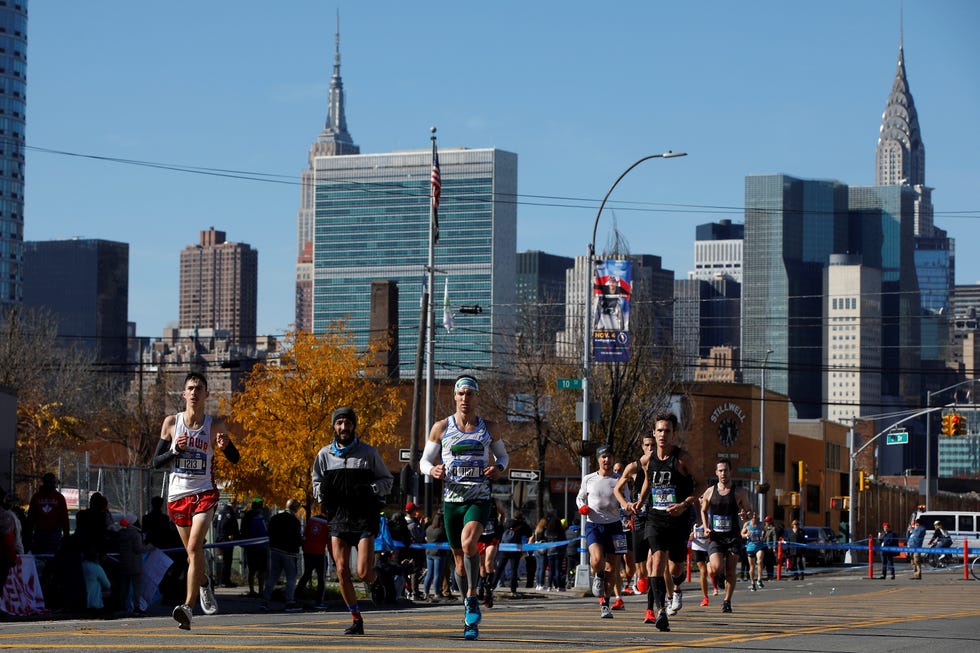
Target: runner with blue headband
(461, 451)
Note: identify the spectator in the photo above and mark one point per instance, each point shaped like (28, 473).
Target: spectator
(157, 528)
(516, 532)
(887, 538)
(130, 568)
(554, 531)
(435, 558)
(285, 542)
(771, 538)
(8, 537)
(916, 537)
(316, 535)
(254, 525)
(92, 526)
(415, 522)
(797, 553)
(96, 582)
(227, 530)
(9, 503)
(48, 516)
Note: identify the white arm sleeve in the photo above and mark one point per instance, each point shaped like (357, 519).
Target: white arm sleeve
(499, 453)
(430, 456)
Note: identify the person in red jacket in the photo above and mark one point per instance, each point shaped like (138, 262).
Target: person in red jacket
(48, 516)
(316, 535)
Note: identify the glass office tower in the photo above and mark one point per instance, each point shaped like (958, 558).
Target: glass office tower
(371, 223)
(13, 103)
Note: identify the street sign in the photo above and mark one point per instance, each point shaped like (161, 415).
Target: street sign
(569, 384)
(525, 475)
(748, 470)
(404, 455)
(897, 437)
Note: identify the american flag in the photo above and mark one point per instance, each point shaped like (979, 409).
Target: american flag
(436, 182)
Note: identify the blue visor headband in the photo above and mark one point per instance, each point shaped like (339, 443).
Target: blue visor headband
(467, 382)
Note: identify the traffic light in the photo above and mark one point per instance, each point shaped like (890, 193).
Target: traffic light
(948, 427)
(862, 481)
(801, 472)
(959, 425)
(839, 503)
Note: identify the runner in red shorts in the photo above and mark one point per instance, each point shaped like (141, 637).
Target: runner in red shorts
(187, 444)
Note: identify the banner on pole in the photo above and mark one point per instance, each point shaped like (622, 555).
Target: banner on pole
(612, 288)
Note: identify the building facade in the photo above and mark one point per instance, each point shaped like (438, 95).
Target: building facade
(372, 223)
(219, 287)
(13, 117)
(792, 226)
(541, 287)
(333, 140)
(85, 284)
(852, 339)
(718, 251)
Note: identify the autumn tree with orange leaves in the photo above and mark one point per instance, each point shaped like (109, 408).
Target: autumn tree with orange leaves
(285, 409)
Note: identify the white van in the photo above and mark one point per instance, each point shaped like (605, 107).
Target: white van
(960, 525)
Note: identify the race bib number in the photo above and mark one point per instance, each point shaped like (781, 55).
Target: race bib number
(619, 543)
(721, 523)
(191, 462)
(466, 472)
(663, 497)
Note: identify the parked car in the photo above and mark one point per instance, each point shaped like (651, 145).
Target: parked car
(816, 535)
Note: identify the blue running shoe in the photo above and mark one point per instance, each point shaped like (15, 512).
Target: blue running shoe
(472, 613)
(471, 631)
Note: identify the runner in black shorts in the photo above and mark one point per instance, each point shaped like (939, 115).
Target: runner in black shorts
(671, 486)
(627, 489)
(722, 508)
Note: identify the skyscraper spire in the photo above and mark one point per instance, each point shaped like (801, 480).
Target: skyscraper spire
(335, 129)
(900, 156)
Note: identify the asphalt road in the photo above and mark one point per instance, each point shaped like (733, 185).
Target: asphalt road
(838, 611)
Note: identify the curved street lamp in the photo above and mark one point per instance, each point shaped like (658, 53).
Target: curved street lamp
(582, 574)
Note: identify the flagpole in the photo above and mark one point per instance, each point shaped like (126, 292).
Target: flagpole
(430, 317)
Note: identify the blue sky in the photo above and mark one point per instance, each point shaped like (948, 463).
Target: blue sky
(578, 90)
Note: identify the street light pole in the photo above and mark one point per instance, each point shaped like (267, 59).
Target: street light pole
(762, 440)
(582, 573)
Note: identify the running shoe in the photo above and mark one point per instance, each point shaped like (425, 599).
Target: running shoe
(726, 606)
(471, 631)
(628, 590)
(377, 591)
(292, 606)
(598, 586)
(753, 586)
(761, 585)
(208, 603)
(605, 612)
(715, 592)
(488, 600)
(676, 603)
(704, 601)
(642, 585)
(356, 628)
(472, 614)
(618, 604)
(663, 624)
(648, 618)
(182, 614)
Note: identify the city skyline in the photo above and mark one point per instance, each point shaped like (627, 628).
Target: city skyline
(577, 95)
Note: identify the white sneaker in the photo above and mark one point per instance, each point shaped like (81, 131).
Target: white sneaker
(208, 603)
(605, 612)
(676, 603)
(539, 588)
(598, 586)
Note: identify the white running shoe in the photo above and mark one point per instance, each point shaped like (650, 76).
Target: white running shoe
(208, 603)
(676, 603)
(598, 586)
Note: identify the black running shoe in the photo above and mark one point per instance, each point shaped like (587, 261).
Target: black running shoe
(356, 628)
(663, 625)
(726, 606)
